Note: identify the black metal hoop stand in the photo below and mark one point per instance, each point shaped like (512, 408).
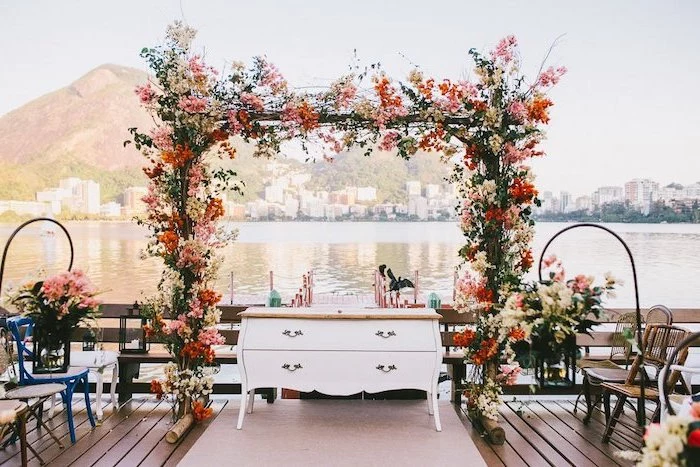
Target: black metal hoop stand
(16, 231)
(640, 405)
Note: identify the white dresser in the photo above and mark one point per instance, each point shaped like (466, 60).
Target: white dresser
(339, 351)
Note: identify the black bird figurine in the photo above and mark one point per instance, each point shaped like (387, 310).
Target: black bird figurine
(382, 267)
(397, 284)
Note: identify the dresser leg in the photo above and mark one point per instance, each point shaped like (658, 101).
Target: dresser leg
(438, 426)
(251, 400)
(244, 402)
(429, 397)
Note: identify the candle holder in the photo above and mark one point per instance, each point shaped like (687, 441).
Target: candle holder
(132, 335)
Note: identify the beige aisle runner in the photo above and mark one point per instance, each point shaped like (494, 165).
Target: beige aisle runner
(335, 433)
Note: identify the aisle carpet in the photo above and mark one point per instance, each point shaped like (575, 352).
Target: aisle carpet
(335, 433)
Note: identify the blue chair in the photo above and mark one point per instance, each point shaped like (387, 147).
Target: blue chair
(71, 378)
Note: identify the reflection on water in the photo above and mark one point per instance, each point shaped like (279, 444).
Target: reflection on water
(344, 256)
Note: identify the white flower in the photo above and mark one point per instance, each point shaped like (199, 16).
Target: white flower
(181, 34)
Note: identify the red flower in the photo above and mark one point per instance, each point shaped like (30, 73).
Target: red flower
(199, 412)
(157, 388)
(488, 349)
(522, 191)
(526, 260)
(694, 438)
(208, 297)
(494, 215)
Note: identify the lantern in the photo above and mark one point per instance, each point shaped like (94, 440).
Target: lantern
(274, 299)
(89, 341)
(132, 335)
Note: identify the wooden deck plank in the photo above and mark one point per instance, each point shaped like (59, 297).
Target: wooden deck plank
(521, 445)
(624, 436)
(147, 443)
(198, 430)
(621, 438)
(99, 448)
(486, 450)
(66, 456)
(584, 446)
(540, 445)
(551, 437)
(128, 442)
(589, 432)
(40, 439)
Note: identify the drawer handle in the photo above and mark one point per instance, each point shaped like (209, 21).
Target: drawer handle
(386, 369)
(294, 367)
(289, 333)
(385, 335)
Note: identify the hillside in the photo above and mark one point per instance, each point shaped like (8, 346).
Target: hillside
(75, 131)
(79, 131)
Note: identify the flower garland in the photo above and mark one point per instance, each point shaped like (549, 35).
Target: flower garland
(487, 128)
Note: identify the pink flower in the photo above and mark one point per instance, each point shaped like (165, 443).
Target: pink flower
(196, 310)
(518, 110)
(192, 104)
(346, 94)
(211, 336)
(191, 257)
(253, 101)
(162, 137)
(196, 175)
(235, 126)
(390, 141)
(509, 374)
(505, 49)
(146, 93)
(695, 410)
(550, 76)
(549, 260)
(272, 78)
(580, 283)
(196, 65)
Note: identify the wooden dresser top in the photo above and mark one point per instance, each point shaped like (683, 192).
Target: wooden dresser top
(341, 312)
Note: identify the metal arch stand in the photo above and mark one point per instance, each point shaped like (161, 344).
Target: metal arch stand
(640, 403)
(23, 225)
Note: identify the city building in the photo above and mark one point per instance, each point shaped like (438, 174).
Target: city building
(111, 209)
(366, 193)
(606, 195)
(133, 200)
(22, 208)
(640, 193)
(413, 188)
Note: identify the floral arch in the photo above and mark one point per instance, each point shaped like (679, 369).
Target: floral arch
(487, 129)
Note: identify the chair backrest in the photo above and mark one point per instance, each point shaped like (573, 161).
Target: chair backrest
(621, 348)
(667, 383)
(16, 324)
(659, 342)
(659, 314)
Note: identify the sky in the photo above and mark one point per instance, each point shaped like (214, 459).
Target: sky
(628, 107)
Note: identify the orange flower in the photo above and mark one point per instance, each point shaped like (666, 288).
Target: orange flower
(526, 260)
(537, 110)
(309, 117)
(178, 157)
(157, 388)
(208, 297)
(215, 209)
(517, 334)
(169, 239)
(199, 412)
(522, 191)
(464, 338)
(488, 349)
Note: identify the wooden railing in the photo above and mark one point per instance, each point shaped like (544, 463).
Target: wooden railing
(451, 322)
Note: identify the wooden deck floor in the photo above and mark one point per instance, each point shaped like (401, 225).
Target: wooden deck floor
(547, 432)
(539, 433)
(132, 436)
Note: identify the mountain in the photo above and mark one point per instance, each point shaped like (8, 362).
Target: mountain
(75, 131)
(79, 130)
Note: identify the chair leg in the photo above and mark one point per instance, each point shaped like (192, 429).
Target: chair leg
(86, 391)
(70, 387)
(612, 421)
(113, 388)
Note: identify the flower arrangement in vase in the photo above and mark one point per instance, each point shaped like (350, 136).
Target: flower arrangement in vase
(56, 306)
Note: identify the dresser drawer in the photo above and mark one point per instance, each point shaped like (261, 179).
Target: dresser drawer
(340, 372)
(341, 334)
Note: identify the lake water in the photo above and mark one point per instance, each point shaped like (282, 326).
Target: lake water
(345, 255)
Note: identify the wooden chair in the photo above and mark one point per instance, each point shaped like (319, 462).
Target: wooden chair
(620, 353)
(658, 344)
(659, 314)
